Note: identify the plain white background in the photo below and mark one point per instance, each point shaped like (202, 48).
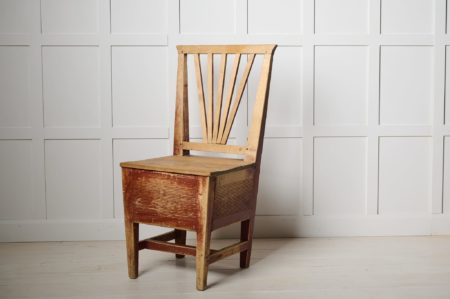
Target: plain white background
(356, 141)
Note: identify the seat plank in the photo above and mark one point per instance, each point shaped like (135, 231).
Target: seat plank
(195, 165)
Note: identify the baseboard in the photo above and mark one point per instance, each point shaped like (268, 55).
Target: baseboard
(266, 227)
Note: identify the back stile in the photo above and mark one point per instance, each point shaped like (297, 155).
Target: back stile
(201, 97)
(237, 100)
(231, 84)
(218, 106)
(181, 130)
(209, 114)
(256, 133)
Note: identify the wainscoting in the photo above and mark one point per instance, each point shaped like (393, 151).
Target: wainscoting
(357, 99)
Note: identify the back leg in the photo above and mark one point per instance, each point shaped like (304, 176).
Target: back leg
(180, 238)
(246, 235)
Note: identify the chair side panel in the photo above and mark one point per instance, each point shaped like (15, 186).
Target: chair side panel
(234, 193)
(160, 198)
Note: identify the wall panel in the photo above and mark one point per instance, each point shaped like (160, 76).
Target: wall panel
(15, 16)
(73, 176)
(270, 17)
(69, 16)
(340, 175)
(405, 175)
(139, 92)
(446, 180)
(340, 85)
(341, 16)
(138, 17)
(71, 86)
(407, 16)
(406, 84)
(15, 86)
(207, 17)
(16, 184)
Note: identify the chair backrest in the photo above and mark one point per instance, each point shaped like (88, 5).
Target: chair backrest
(217, 115)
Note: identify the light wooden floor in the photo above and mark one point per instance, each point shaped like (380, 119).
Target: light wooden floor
(378, 267)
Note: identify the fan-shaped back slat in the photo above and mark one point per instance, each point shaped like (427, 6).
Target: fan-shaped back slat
(217, 117)
(209, 114)
(201, 96)
(218, 106)
(226, 107)
(237, 100)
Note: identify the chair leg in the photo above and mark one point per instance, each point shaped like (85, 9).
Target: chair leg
(246, 235)
(204, 232)
(132, 240)
(180, 238)
(201, 258)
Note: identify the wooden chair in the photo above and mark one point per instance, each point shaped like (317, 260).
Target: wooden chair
(199, 193)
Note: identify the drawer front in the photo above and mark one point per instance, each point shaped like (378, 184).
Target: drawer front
(162, 198)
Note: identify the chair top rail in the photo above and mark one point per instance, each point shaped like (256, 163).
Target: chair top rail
(227, 49)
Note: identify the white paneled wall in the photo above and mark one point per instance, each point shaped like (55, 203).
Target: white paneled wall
(357, 138)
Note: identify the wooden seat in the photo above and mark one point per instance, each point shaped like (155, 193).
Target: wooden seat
(196, 165)
(198, 193)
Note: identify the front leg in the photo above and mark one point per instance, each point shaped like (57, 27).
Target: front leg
(132, 241)
(206, 199)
